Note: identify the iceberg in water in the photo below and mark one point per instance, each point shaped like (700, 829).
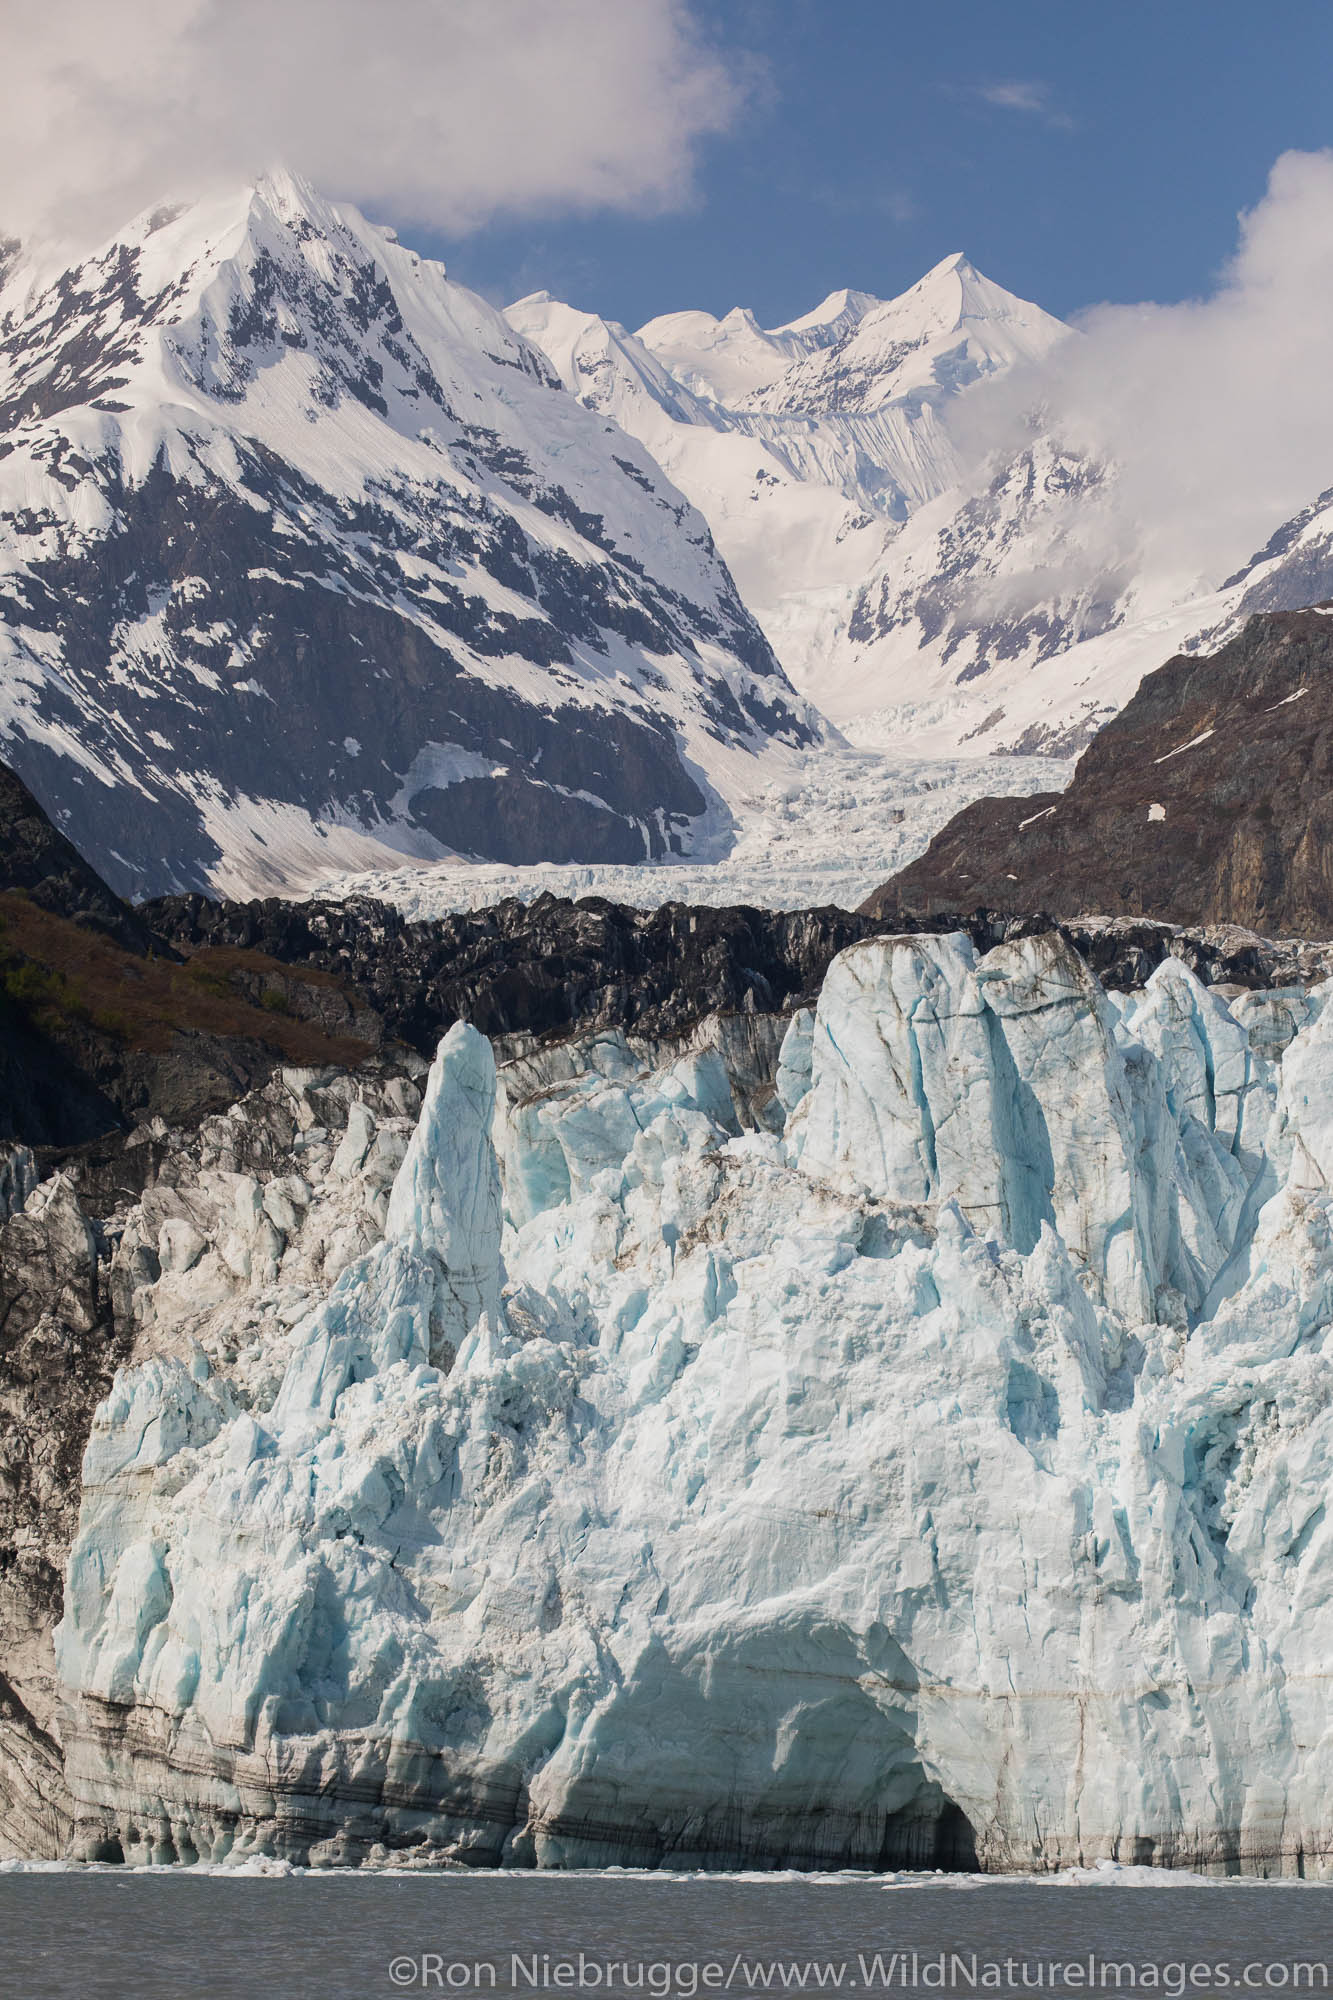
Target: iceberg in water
(900, 1436)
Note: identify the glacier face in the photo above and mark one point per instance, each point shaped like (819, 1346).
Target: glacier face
(895, 1435)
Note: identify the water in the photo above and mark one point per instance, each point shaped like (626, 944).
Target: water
(136, 1935)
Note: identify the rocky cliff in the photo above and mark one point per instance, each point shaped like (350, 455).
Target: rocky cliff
(1209, 799)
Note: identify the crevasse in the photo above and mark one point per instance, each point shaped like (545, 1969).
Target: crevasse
(906, 1444)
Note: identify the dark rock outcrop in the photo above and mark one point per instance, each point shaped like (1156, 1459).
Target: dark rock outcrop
(37, 861)
(540, 968)
(549, 968)
(103, 1024)
(1207, 800)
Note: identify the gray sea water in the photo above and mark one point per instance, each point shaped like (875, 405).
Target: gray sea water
(133, 1935)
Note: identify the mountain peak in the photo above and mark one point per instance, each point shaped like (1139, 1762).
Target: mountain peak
(291, 470)
(288, 192)
(957, 290)
(842, 307)
(278, 192)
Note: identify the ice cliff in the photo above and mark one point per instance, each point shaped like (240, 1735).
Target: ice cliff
(896, 1435)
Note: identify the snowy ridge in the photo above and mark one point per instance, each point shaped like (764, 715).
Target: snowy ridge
(893, 1438)
(855, 352)
(805, 446)
(275, 464)
(1002, 609)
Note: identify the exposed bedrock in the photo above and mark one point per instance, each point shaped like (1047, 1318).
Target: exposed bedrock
(896, 1436)
(554, 966)
(1205, 801)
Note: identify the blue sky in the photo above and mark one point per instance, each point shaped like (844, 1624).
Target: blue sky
(1077, 152)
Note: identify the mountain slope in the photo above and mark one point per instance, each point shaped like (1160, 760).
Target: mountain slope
(806, 446)
(1017, 612)
(1042, 689)
(40, 864)
(307, 561)
(1208, 799)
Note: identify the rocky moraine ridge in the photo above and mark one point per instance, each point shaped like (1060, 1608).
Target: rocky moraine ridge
(415, 1455)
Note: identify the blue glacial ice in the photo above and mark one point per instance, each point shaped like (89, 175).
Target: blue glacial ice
(908, 1444)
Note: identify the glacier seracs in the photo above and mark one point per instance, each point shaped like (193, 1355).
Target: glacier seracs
(896, 1436)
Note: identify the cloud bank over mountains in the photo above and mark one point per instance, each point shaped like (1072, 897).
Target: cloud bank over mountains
(439, 113)
(1216, 413)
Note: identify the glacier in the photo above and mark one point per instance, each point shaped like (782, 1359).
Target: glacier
(834, 833)
(896, 1435)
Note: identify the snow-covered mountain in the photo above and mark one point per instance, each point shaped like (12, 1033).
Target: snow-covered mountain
(307, 561)
(1292, 570)
(856, 354)
(311, 569)
(806, 446)
(1051, 659)
(947, 604)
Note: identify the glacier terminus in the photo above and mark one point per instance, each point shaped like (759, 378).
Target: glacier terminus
(896, 1435)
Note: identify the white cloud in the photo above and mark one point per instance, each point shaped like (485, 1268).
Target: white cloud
(1015, 96)
(436, 112)
(1028, 96)
(1217, 414)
